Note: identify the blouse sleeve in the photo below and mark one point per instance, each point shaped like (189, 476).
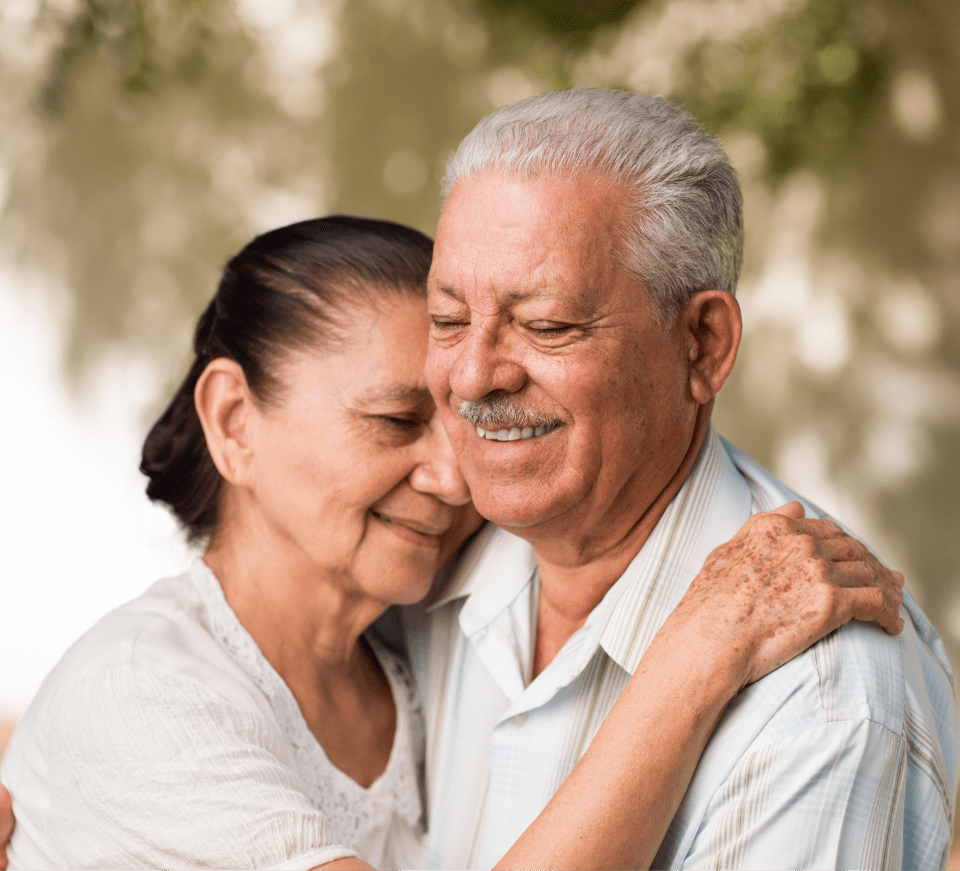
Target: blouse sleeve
(127, 768)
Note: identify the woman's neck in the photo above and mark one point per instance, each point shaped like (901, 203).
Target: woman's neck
(309, 626)
(293, 612)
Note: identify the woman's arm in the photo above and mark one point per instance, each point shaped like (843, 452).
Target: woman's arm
(778, 586)
(6, 825)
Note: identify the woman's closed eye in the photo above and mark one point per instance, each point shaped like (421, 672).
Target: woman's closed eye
(400, 422)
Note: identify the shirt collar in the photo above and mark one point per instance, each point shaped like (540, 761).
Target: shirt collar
(493, 568)
(712, 505)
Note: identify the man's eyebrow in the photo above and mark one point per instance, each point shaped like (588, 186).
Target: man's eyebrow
(509, 296)
(395, 393)
(581, 304)
(446, 290)
(512, 297)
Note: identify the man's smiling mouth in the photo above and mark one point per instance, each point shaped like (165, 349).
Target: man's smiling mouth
(515, 433)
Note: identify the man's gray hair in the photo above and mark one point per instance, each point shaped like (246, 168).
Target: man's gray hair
(683, 226)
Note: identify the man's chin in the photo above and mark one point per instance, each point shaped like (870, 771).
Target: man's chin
(514, 511)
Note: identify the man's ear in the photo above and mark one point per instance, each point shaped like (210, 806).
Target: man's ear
(712, 326)
(226, 409)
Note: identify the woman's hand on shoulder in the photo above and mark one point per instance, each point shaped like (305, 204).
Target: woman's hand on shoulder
(782, 583)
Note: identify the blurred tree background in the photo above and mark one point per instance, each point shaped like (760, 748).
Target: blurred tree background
(143, 141)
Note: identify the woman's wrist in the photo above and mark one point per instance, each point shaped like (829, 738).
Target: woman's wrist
(709, 664)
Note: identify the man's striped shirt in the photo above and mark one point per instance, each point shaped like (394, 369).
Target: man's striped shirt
(845, 757)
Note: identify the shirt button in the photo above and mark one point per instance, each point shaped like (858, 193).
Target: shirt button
(520, 718)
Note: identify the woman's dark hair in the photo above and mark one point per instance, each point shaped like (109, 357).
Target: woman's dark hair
(287, 289)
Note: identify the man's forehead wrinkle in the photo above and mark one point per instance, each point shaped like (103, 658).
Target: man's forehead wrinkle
(579, 301)
(547, 289)
(510, 243)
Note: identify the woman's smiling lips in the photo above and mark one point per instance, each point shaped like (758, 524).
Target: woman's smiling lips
(413, 530)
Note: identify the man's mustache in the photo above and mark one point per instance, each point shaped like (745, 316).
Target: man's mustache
(498, 412)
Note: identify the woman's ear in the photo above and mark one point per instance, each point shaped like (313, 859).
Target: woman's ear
(713, 325)
(226, 408)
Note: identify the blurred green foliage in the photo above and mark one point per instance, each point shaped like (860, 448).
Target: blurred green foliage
(806, 86)
(119, 32)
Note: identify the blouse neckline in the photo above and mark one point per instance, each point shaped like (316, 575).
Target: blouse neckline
(353, 810)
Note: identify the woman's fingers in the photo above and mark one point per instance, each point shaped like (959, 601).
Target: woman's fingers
(874, 592)
(871, 603)
(850, 564)
(783, 582)
(791, 509)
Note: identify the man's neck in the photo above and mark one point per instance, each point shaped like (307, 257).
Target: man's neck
(570, 590)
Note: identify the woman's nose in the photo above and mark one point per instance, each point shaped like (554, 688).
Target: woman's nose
(438, 472)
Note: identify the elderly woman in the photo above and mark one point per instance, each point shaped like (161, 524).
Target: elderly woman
(244, 714)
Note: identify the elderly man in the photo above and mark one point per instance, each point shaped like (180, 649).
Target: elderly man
(583, 322)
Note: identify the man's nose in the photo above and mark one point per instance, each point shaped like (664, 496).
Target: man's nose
(486, 362)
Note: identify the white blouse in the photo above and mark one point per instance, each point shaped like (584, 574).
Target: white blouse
(164, 738)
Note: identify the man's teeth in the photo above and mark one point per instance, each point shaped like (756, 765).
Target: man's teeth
(515, 434)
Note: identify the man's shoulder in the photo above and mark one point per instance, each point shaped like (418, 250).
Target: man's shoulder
(858, 673)
(860, 722)
(767, 489)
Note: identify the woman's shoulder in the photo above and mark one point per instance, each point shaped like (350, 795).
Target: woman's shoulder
(160, 621)
(164, 633)
(152, 695)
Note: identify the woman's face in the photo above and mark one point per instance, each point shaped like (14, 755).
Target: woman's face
(352, 471)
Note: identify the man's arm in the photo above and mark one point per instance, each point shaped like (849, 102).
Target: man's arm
(832, 797)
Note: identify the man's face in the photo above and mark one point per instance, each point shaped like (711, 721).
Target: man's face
(553, 346)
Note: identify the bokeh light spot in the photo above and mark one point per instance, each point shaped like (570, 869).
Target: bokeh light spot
(908, 318)
(915, 102)
(823, 335)
(894, 452)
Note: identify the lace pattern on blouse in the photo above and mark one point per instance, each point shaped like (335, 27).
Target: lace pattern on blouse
(353, 811)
